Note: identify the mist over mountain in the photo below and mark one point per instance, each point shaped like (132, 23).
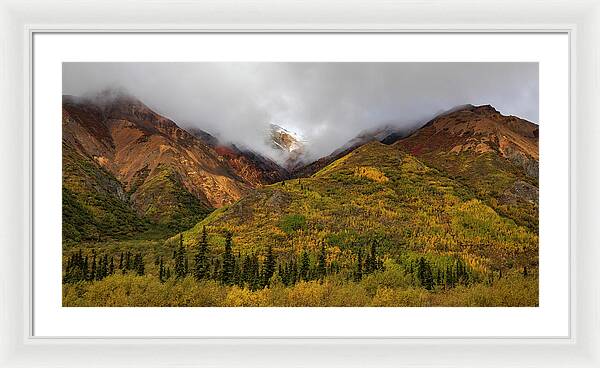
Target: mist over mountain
(328, 104)
(300, 185)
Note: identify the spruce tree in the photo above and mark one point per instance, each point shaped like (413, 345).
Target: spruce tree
(246, 272)
(185, 264)
(359, 268)
(105, 266)
(93, 272)
(269, 266)
(201, 268)
(84, 274)
(449, 277)
(305, 267)
(228, 262)
(373, 258)
(424, 274)
(255, 279)
(282, 272)
(216, 269)
(128, 260)
(321, 263)
(367, 266)
(99, 269)
(293, 272)
(161, 270)
(180, 259)
(140, 265)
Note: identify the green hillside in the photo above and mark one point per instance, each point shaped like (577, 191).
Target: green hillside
(94, 205)
(164, 200)
(500, 183)
(377, 227)
(375, 194)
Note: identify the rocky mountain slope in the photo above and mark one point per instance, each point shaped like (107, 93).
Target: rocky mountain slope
(290, 145)
(496, 155)
(247, 163)
(95, 206)
(149, 170)
(384, 134)
(376, 193)
(166, 174)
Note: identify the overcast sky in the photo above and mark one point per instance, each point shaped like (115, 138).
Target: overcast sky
(327, 103)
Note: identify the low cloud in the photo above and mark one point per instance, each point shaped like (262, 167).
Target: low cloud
(327, 103)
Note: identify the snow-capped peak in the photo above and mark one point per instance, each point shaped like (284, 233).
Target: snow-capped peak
(285, 139)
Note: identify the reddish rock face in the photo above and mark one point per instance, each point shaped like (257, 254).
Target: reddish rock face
(254, 168)
(251, 166)
(131, 141)
(496, 156)
(477, 129)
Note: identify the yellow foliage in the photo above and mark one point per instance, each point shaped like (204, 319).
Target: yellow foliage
(237, 297)
(371, 173)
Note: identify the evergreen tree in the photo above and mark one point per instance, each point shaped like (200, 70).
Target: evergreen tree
(304, 267)
(246, 271)
(359, 269)
(128, 260)
(255, 280)
(185, 264)
(459, 271)
(180, 259)
(216, 269)
(140, 265)
(424, 274)
(447, 278)
(237, 272)
(373, 258)
(282, 273)
(161, 270)
(321, 263)
(105, 266)
(269, 266)
(227, 275)
(201, 269)
(293, 271)
(99, 268)
(93, 272)
(84, 274)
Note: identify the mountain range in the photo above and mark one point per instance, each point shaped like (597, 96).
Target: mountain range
(158, 172)
(127, 169)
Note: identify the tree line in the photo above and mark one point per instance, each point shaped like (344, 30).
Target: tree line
(249, 271)
(429, 275)
(80, 267)
(253, 272)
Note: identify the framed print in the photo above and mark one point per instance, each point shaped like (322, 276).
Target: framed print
(281, 184)
(365, 203)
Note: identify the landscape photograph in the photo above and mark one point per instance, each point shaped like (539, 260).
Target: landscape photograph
(300, 184)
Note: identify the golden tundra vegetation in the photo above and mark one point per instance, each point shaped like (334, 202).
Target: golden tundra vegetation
(381, 226)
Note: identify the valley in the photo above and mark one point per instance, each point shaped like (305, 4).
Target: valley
(155, 215)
